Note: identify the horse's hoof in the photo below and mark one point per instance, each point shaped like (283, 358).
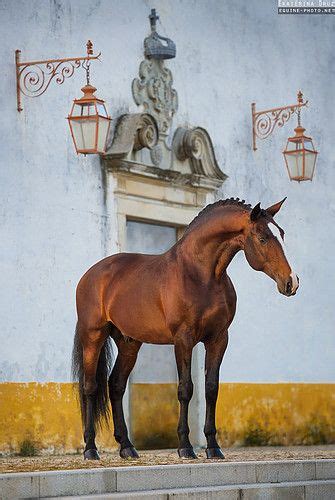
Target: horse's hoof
(91, 455)
(214, 453)
(186, 453)
(129, 452)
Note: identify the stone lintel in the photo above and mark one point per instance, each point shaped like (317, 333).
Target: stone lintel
(172, 177)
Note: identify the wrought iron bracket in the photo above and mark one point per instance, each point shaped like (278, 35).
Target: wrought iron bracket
(34, 77)
(264, 122)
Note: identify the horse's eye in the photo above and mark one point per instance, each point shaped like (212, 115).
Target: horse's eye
(263, 240)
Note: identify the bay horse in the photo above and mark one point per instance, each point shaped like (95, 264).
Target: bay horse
(181, 297)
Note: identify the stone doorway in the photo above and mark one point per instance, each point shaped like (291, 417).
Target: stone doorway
(152, 384)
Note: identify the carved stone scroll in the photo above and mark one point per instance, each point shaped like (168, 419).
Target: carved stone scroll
(195, 144)
(132, 133)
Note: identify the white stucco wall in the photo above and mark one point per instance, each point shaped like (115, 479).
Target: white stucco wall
(54, 218)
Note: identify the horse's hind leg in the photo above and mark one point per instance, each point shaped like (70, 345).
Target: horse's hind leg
(92, 342)
(124, 364)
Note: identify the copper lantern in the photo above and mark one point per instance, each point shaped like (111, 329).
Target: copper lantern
(300, 156)
(89, 123)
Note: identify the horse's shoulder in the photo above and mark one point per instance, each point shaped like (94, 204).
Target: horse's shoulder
(228, 286)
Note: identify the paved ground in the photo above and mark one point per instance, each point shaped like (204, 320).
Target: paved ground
(161, 457)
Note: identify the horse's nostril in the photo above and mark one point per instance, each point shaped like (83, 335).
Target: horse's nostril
(289, 287)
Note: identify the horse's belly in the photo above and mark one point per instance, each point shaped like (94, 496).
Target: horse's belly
(153, 337)
(147, 325)
(144, 333)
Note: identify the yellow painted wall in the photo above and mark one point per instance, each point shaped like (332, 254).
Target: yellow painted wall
(48, 415)
(283, 414)
(45, 414)
(154, 410)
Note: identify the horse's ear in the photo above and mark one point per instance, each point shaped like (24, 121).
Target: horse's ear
(275, 208)
(255, 212)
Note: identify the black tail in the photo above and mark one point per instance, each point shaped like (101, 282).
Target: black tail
(101, 410)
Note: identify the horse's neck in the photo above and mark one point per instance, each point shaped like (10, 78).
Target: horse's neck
(226, 254)
(213, 242)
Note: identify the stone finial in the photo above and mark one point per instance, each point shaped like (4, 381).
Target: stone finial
(156, 46)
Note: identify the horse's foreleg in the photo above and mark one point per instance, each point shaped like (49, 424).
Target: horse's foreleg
(215, 349)
(183, 352)
(124, 364)
(92, 344)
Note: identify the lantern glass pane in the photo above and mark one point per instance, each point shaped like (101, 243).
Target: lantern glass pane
(84, 133)
(295, 164)
(85, 109)
(294, 146)
(102, 134)
(89, 109)
(101, 110)
(308, 144)
(77, 110)
(309, 164)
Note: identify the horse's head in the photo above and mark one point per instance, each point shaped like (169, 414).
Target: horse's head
(264, 250)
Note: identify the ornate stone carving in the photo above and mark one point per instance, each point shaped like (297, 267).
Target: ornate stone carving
(153, 89)
(190, 160)
(156, 155)
(156, 46)
(195, 144)
(146, 134)
(193, 159)
(132, 133)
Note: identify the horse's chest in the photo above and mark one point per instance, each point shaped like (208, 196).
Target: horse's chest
(215, 312)
(214, 316)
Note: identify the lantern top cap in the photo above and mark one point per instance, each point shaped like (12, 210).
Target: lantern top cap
(299, 134)
(88, 91)
(299, 131)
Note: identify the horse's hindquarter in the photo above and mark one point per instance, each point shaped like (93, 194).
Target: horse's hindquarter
(132, 297)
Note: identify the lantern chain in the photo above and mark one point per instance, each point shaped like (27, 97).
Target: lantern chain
(86, 66)
(300, 102)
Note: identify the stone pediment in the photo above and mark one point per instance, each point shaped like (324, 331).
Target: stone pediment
(190, 160)
(142, 144)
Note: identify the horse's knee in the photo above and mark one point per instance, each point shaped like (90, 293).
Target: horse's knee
(185, 391)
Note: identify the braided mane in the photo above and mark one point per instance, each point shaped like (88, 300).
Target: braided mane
(220, 203)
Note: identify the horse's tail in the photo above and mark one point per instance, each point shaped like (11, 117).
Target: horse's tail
(101, 408)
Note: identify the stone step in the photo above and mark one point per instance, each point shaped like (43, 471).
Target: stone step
(309, 490)
(162, 477)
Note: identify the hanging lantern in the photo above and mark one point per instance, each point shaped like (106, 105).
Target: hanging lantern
(89, 121)
(300, 155)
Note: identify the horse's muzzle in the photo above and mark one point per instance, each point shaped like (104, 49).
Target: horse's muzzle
(290, 287)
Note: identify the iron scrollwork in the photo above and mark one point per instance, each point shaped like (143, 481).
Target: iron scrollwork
(34, 77)
(264, 122)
